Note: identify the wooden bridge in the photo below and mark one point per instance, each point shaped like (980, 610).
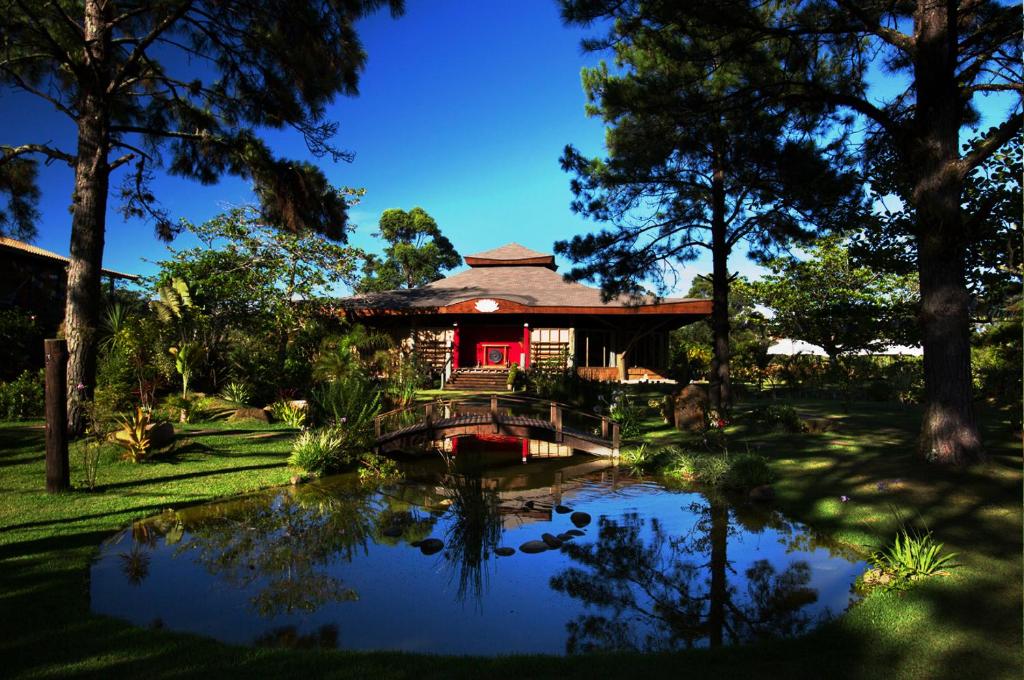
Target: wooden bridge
(414, 427)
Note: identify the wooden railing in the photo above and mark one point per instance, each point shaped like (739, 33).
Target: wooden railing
(501, 409)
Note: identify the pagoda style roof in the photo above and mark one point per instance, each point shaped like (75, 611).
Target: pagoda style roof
(501, 281)
(511, 255)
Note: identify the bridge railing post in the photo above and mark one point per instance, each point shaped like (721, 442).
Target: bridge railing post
(428, 415)
(558, 424)
(604, 427)
(494, 413)
(615, 439)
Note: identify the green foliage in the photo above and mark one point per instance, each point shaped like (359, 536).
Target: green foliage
(357, 351)
(338, 447)
(21, 338)
(777, 417)
(417, 252)
(747, 470)
(187, 358)
(133, 436)
(22, 398)
(627, 414)
(913, 554)
(237, 392)
(831, 302)
(720, 470)
(292, 415)
(377, 469)
(319, 451)
(568, 387)
(354, 401)
(513, 374)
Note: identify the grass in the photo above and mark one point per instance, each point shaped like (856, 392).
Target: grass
(965, 625)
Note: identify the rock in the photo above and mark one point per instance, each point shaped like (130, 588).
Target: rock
(392, 532)
(691, 408)
(416, 544)
(563, 509)
(551, 540)
(160, 435)
(565, 537)
(533, 547)
(580, 519)
(762, 493)
(818, 425)
(296, 480)
(430, 546)
(576, 532)
(251, 414)
(504, 552)
(299, 404)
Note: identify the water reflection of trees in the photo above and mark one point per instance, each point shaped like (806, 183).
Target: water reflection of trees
(650, 591)
(282, 548)
(474, 527)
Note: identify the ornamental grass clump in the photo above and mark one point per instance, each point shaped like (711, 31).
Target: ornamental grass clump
(913, 554)
(724, 470)
(319, 451)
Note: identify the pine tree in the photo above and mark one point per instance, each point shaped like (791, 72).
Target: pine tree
(694, 162)
(182, 85)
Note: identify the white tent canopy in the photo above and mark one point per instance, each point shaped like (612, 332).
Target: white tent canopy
(788, 347)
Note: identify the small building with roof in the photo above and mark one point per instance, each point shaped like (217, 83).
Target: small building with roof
(35, 280)
(511, 306)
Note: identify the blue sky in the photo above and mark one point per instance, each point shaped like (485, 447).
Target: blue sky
(464, 109)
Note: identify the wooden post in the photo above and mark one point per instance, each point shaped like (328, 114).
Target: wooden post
(58, 473)
(376, 427)
(615, 440)
(494, 412)
(558, 424)
(429, 411)
(604, 427)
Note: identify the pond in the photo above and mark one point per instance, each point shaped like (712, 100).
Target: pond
(453, 560)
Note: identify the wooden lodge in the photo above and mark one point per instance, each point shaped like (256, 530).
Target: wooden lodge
(512, 307)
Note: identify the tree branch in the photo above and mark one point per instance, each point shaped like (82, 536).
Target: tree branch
(988, 146)
(11, 152)
(144, 44)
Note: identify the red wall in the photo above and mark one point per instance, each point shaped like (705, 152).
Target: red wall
(473, 338)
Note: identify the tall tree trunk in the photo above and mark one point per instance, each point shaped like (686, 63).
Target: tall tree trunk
(949, 432)
(88, 222)
(721, 391)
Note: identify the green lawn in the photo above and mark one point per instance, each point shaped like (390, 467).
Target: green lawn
(964, 625)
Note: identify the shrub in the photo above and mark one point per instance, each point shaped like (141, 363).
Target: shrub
(627, 414)
(133, 436)
(748, 470)
(334, 448)
(22, 397)
(318, 451)
(724, 470)
(289, 413)
(355, 401)
(237, 393)
(776, 417)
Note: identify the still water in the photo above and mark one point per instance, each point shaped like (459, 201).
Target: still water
(422, 565)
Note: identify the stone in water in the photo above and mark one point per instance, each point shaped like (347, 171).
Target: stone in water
(580, 519)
